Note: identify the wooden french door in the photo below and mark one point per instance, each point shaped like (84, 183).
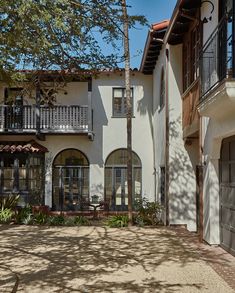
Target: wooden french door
(69, 188)
(120, 191)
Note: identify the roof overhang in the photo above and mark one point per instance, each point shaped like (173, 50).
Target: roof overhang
(153, 46)
(184, 13)
(22, 147)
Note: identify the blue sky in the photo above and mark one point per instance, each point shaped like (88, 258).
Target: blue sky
(154, 11)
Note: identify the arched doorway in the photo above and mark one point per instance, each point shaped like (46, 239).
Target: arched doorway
(116, 192)
(70, 180)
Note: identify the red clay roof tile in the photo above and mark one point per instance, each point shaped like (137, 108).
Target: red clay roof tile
(22, 147)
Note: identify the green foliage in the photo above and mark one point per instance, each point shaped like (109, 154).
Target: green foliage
(40, 218)
(81, 221)
(56, 220)
(25, 216)
(9, 202)
(60, 220)
(148, 213)
(118, 221)
(61, 34)
(5, 215)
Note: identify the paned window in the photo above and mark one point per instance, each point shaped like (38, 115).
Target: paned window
(22, 174)
(116, 190)
(119, 102)
(70, 181)
(191, 51)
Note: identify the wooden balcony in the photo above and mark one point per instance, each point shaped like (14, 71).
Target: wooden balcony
(45, 120)
(190, 100)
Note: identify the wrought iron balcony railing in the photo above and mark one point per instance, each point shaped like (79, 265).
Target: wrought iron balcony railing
(216, 60)
(30, 118)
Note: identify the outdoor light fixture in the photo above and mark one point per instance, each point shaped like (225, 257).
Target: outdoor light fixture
(207, 19)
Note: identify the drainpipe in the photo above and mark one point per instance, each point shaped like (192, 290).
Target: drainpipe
(233, 40)
(167, 141)
(200, 180)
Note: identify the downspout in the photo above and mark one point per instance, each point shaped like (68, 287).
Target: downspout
(154, 151)
(167, 153)
(233, 40)
(200, 179)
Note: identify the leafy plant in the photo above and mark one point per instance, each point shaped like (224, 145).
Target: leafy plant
(148, 213)
(118, 221)
(25, 215)
(56, 220)
(9, 202)
(40, 218)
(5, 215)
(81, 221)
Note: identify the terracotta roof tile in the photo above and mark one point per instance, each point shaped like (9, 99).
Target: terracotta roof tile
(160, 25)
(22, 147)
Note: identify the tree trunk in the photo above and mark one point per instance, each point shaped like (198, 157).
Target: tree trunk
(129, 110)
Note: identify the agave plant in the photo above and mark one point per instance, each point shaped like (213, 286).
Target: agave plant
(118, 221)
(5, 215)
(9, 202)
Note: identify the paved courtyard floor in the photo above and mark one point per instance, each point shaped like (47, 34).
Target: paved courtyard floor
(98, 259)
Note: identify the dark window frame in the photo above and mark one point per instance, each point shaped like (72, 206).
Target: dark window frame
(192, 45)
(70, 163)
(27, 192)
(122, 166)
(123, 98)
(162, 89)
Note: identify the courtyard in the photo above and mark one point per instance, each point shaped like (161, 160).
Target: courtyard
(101, 259)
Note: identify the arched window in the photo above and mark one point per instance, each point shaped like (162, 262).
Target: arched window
(70, 180)
(162, 89)
(116, 193)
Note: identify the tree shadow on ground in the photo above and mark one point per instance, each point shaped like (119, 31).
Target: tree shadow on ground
(97, 259)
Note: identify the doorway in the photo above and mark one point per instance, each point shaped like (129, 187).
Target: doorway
(70, 181)
(116, 190)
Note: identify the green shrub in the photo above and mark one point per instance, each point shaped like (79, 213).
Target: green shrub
(9, 202)
(5, 215)
(81, 221)
(40, 218)
(69, 221)
(25, 216)
(56, 220)
(118, 221)
(148, 213)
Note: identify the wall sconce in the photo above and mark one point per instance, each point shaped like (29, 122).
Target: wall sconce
(207, 19)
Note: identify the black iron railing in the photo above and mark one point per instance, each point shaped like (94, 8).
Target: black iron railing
(216, 59)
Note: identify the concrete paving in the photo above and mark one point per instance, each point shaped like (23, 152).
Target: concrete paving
(99, 259)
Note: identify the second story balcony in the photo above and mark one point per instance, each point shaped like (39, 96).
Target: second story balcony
(217, 71)
(45, 120)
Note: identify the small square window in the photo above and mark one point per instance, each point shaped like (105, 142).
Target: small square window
(119, 102)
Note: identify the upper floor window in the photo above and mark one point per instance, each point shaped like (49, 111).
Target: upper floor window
(191, 49)
(119, 102)
(13, 96)
(162, 89)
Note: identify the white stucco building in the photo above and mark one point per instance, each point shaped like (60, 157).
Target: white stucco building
(193, 72)
(84, 133)
(71, 143)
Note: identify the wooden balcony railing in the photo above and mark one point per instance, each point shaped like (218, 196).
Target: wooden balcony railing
(30, 118)
(190, 100)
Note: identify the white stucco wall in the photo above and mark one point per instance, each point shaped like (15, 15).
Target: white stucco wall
(214, 130)
(182, 181)
(110, 133)
(182, 184)
(159, 120)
